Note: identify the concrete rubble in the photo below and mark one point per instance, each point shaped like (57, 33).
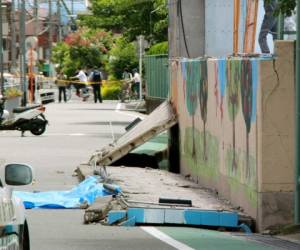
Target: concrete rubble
(142, 187)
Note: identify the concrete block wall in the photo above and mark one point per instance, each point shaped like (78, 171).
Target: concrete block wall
(236, 122)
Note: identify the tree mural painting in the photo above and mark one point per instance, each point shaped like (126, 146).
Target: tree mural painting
(191, 72)
(216, 91)
(222, 64)
(247, 100)
(233, 90)
(203, 94)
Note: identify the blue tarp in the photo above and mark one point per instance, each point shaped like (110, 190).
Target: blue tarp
(85, 192)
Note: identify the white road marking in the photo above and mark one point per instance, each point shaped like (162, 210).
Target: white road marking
(165, 238)
(117, 110)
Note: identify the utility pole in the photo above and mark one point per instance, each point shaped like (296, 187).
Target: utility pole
(22, 54)
(49, 31)
(59, 20)
(36, 26)
(13, 36)
(72, 7)
(141, 51)
(297, 132)
(1, 49)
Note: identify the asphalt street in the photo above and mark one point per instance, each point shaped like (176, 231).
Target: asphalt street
(75, 131)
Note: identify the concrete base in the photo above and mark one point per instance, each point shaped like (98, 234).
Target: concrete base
(274, 209)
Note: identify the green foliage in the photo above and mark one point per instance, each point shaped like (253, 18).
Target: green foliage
(130, 17)
(158, 49)
(122, 56)
(111, 90)
(285, 7)
(12, 92)
(84, 48)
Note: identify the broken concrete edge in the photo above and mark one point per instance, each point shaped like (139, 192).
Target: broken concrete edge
(244, 222)
(83, 170)
(188, 217)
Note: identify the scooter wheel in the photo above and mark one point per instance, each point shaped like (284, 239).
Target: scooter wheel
(38, 129)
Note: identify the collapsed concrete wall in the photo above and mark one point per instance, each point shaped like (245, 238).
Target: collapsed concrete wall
(236, 120)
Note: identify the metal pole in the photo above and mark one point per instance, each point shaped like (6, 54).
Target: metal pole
(50, 30)
(297, 137)
(280, 27)
(1, 49)
(141, 43)
(36, 26)
(22, 54)
(13, 37)
(59, 20)
(72, 7)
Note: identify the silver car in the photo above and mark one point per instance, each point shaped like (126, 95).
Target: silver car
(14, 232)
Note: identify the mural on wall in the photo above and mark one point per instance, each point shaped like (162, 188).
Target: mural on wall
(191, 87)
(239, 177)
(216, 91)
(246, 95)
(225, 143)
(233, 95)
(222, 79)
(200, 166)
(203, 95)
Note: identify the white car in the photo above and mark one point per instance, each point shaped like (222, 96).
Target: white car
(14, 232)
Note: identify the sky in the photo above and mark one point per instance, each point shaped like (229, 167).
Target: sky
(78, 5)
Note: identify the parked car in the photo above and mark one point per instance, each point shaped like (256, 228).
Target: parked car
(14, 232)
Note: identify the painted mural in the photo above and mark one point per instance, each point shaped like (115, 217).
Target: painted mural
(217, 121)
(233, 94)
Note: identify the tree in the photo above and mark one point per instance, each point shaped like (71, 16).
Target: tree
(130, 17)
(285, 7)
(83, 48)
(122, 55)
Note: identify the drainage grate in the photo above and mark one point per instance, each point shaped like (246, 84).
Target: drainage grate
(272, 241)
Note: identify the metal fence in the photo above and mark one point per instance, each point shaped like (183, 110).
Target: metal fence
(156, 76)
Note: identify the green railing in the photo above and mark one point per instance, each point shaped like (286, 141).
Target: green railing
(156, 76)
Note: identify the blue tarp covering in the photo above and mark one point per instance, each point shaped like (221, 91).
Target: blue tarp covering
(86, 191)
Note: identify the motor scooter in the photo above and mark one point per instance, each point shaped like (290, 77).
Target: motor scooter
(30, 118)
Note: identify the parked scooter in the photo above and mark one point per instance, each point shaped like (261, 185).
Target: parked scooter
(30, 118)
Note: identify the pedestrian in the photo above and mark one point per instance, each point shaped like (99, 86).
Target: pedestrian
(136, 83)
(269, 25)
(126, 84)
(31, 87)
(95, 78)
(61, 84)
(83, 80)
(126, 76)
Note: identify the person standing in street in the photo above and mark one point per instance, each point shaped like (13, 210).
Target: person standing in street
(60, 82)
(269, 25)
(136, 83)
(126, 82)
(82, 85)
(95, 78)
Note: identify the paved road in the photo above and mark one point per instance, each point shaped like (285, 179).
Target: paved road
(76, 130)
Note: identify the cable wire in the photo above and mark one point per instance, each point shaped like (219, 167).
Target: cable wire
(183, 28)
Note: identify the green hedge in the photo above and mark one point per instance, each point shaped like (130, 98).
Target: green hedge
(111, 90)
